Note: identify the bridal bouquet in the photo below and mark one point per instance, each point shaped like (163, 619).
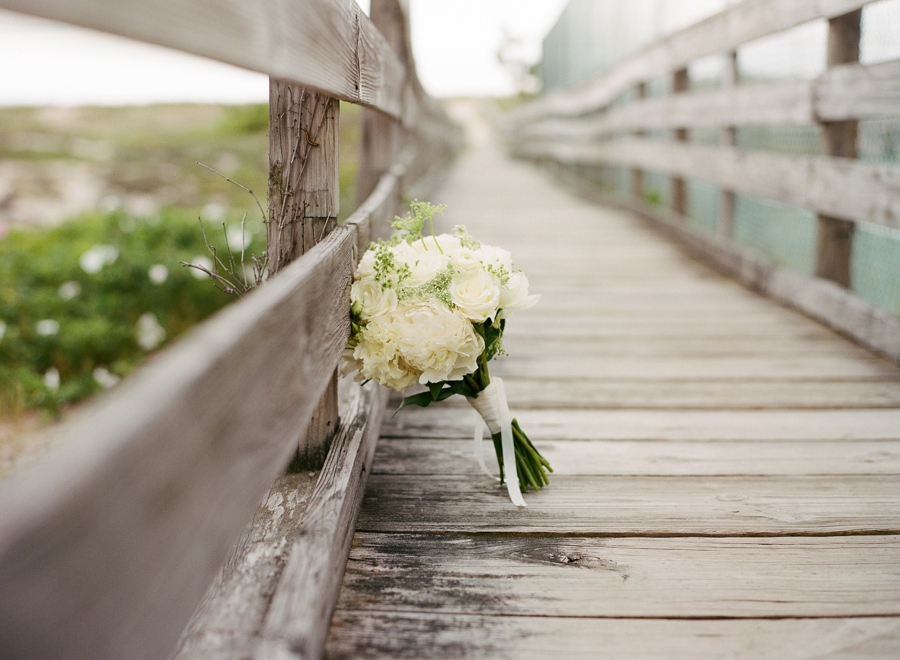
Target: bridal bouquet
(432, 310)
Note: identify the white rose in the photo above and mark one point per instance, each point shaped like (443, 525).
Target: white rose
(437, 341)
(494, 256)
(476, 293)
(514, 294)
(464, 260)
(370, 300)
(366, 267)
(422, 265)
(448, 244)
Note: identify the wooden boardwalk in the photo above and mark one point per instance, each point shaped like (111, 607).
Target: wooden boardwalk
(727, 471)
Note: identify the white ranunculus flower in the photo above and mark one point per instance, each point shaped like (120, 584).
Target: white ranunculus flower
(491, 255)
(371, 300)
(476, 293)
(465, 260)
(438, 342)
(514, 294)
(377, 354)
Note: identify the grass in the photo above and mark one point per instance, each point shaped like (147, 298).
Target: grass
(68, 328)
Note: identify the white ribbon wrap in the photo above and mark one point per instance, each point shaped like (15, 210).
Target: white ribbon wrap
(493, 412)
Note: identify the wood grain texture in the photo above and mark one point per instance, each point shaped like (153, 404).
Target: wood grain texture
(852, 91)
(412, 456)
(636, 506)
(720, 33)
(841, 187)
(296, 623)
(373, 634)
(624, 578)
(226, 624)
(536, 393)
(448, 422)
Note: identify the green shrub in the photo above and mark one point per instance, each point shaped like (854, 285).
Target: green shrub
(79, 308)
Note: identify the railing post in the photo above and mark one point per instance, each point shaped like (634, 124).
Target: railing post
(637, 174)
(729, 139)
(834, 242)
(680, 85)
(304, 200)
(381, 134)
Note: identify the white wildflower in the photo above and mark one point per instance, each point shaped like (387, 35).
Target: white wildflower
(68, 290)
(158, 273)
(476, 293)
(149, 332)
(97, 257)
(47, 327)
(105, 378)
(213, 212)
(239, 238)
(51, 378)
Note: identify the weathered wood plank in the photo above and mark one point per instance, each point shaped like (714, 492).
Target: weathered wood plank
(448, 422)
(372, 634)
(843, 92)
(227, 621)
(296, 623)
(625, 578)
(732, 394)
(328, 45)
(851, 91)
(840, 187)
(668, 368)
(636, 506)
(412, 456)
(721, 33)
(772, 103)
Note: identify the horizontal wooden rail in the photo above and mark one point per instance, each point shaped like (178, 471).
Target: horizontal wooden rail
(721, 33)
(107, 546)
(328, 45)
(842, 187)
(844, 92)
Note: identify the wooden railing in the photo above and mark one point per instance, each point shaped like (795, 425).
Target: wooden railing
(583, 127)
(108, 545)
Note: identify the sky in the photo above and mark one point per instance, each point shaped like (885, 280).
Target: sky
(454, 43)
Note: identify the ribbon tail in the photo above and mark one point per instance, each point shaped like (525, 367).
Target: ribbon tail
(509, 448)
(479, 452)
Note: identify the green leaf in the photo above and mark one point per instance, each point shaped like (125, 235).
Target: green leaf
(435, 389)
(422, 399)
